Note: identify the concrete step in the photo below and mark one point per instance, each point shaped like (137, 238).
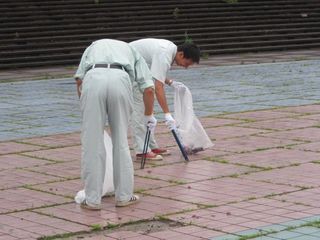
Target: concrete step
(35, 32)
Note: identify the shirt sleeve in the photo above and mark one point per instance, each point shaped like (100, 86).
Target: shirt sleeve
(81, 71)
(160, 66)
(142, 74)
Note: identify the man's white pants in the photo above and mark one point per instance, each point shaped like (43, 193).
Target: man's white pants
(106, 93)
(137, 123)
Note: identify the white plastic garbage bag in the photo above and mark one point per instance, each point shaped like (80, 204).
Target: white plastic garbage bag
(192, 134)
(108, 186)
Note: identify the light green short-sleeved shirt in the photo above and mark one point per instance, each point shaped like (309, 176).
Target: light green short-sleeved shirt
(108, 51)
(159, 55)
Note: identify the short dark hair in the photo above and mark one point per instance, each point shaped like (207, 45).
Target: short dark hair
(190, 51)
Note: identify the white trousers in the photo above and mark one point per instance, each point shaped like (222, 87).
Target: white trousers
(137, 123)
(106, 93)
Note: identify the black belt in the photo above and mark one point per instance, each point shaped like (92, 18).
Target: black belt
(105, 65)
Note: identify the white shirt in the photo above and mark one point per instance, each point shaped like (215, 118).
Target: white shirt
(159, 55)
(108, 51)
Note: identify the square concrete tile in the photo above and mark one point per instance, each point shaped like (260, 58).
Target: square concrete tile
(18, 177)
(209, 122)
(311, 117)
(30, 225)
(192, 171)
(312, 108)
(20, 199)
(239, 217)
(58, 154)
(231, 132)
(251, 143)
(281, 124)
(65, 170)
(260, 115)
(12, 161)
(148, 207)
(305, 175)
(13, 147)
(305, 134)
(58, 140)
(249, 215)
(314, 147)
(220, 191)
(277, 157)
(306, 197)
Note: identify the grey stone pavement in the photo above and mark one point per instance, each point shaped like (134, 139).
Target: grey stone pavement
(37, 102)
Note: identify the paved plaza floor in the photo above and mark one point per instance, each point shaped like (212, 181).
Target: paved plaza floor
(260, 180)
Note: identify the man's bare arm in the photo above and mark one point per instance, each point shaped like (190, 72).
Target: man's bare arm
(79, 84)
(161, 96)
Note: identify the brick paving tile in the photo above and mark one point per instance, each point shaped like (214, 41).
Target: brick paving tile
(58, 140)
(314, 147)
(306, 134)
(281, 124)
(17, 161)
(273, 157)
(176, 157)
(69, 188)
(17, 177)
(312, 108)
(309, 197)
(16, 233)
(59, 154)
(146, 184)
(19, 199)
(122, 234)
(8, 237)
(305, 175)
(260, 115)
(165, 140)
(193, 171)
(231, 132)
(147, 208)
(220, 191)
(242, 216)
(29, 224)
(142, 237)
(13, 147)
(251, 143)
(93, 237)
(209, 122)
(311, 117)
(65, 169)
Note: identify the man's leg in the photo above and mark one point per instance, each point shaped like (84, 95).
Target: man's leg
(138, 127)
(93, 106)
(119, 110)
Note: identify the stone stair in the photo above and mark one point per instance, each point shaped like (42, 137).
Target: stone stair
(37, 33)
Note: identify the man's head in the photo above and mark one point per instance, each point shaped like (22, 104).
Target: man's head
(187, 55)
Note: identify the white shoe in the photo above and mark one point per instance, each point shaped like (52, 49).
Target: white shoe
(133, 199)
(93, 207)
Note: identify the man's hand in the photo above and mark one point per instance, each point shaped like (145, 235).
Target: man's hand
(176, 84)
(151, 122)
(170, 122)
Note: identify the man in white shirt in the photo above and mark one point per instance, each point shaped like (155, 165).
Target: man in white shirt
(159, 54)
(105, 75)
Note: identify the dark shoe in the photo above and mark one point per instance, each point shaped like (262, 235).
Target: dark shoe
(133, 199)
(161, 151)
(150, 156)
(94, 207)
